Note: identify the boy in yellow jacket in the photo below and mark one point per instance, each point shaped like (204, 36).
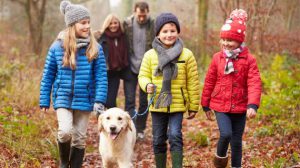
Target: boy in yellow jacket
(170, 70)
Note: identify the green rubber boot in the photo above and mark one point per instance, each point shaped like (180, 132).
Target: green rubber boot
(161, 160)
(177, 158)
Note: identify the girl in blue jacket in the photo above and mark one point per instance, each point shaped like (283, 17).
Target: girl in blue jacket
(75, 75)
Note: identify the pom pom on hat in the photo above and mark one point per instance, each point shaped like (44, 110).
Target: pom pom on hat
(73, 13)
(63, 6)
(235, 27)
(239, 14)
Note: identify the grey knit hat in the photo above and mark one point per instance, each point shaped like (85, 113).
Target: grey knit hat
(164, 18)
(73, 13)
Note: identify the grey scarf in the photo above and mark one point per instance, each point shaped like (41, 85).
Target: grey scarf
(82, 42)
(167, 59)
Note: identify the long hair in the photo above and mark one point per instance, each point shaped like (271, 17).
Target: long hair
(108, 20)
(70, 47)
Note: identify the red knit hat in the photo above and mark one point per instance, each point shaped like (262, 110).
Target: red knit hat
(235, 27)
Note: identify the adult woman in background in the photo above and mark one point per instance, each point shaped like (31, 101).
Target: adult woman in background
(113, 41)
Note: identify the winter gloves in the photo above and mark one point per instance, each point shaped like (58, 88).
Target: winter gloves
(99, 108)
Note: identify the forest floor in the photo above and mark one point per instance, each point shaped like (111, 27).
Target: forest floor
(258, 152)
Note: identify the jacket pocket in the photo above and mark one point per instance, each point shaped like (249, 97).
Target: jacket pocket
(245, 94)
(88, 92)
(55, 93)
(184, 98)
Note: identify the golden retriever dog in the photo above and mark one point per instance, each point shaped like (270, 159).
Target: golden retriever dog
(117, 138)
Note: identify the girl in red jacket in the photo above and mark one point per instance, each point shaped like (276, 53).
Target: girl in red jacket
(232, 89)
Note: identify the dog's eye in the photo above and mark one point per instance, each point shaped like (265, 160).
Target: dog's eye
(108, 118)
(119, 118)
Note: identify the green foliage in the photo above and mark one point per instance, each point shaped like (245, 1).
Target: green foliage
(263, 131)
(280, 101)
(278, 163)
(295, 158)
(199, 137)
(7, 71)
(25, 136)
(18, 82)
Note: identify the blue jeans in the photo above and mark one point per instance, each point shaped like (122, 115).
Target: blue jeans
(167, 126)
(231, 127)
(130, 84)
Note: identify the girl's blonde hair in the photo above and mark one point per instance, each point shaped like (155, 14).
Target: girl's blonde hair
(108, 20)
(70, 47)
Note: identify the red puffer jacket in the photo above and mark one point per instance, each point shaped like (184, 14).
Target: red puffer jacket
(232, 92)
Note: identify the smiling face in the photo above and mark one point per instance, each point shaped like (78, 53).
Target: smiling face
(114, 25)
(114, 121)
(229, 44)
(168, 34)
(82, 28)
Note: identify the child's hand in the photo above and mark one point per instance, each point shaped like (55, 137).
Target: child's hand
(44, 109)
(209, 115)
(191, 114)
(99, 109)
(150, 88)
(251, 113)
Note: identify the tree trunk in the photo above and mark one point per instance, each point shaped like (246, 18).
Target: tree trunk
(35, 11)
(202, 16)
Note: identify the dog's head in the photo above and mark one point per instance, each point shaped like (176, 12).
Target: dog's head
(114, 121)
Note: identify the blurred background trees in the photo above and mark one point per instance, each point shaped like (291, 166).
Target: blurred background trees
(272, 25)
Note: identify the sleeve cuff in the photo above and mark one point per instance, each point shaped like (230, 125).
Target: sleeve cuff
(193, 111)
(253, 106)
(206, 109)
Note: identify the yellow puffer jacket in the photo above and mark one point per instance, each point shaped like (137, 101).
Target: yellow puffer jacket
(185, 88)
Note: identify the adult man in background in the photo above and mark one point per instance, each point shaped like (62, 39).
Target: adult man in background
(139, 29)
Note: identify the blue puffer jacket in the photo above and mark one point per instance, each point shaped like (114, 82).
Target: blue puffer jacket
(75, 89)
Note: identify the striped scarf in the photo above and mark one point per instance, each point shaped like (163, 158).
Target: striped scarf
(229, 56)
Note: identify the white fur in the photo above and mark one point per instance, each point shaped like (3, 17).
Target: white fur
(117, 151)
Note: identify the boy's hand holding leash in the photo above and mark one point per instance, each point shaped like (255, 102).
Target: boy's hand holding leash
(150, 88)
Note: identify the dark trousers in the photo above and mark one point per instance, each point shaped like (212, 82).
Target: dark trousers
(231, 127)
(130, 84)
(114, 78)
(167, 126)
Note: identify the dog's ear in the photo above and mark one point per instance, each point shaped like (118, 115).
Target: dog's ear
(128, 120)
(100, 126)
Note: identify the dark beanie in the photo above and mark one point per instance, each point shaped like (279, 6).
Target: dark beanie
(164, 18)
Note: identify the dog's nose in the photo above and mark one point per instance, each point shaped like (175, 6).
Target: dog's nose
(113, 128)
